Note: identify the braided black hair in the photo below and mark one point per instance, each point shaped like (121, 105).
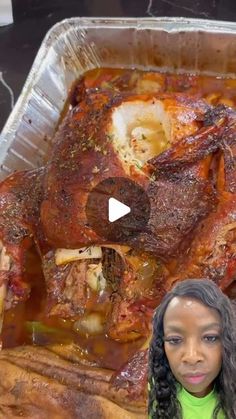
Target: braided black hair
(163, 402)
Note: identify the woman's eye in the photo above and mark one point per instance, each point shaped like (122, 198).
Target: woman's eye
(173, 341)
(211, 338)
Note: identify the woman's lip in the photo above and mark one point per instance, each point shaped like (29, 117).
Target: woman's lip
(194, 379)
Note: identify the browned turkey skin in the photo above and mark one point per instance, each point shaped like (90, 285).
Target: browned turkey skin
(181, 151)
(90, 146)
(178, 183)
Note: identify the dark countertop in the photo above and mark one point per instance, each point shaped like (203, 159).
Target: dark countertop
(20, 41)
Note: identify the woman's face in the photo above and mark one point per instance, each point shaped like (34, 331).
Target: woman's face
(192, 344)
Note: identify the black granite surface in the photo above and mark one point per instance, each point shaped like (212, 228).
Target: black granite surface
(20, 41)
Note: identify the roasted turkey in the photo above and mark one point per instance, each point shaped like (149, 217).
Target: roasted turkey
(180, 149)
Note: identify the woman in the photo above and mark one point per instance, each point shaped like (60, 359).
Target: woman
(192, 357)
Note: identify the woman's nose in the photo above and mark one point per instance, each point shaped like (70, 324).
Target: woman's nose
(192, 353)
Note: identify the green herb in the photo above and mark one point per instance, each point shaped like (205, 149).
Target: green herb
(40, 327)
(106, 85)
(138, 164)
(110, 137)
(41, 334)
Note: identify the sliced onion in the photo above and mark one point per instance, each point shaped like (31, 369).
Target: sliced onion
(120, 249)
(90, 324)
(95, 277)
(4, 259)
(5, 264)
(146, 344)
(3, 292)
(63, 256)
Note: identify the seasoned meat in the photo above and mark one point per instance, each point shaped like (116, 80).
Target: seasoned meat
(20, 198)
(38, 383)
(66, 287)
(181, 151)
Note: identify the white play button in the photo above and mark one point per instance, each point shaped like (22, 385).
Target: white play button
(116, 209)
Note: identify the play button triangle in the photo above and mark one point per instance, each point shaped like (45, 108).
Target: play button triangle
(116, 209)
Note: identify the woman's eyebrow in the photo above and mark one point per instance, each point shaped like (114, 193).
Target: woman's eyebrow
(174, 328)
(211, 326)
(178, 329)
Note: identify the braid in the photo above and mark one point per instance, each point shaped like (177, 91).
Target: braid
(225, 383)
(162, 384)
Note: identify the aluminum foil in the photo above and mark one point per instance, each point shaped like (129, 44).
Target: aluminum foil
(76, 45)
(6, 15)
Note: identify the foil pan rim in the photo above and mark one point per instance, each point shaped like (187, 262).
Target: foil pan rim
(165, 24)
(168, 24)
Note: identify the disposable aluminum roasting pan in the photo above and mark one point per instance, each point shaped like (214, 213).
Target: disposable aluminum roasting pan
(76, 45)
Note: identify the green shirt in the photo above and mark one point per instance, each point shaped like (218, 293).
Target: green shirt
(198, 407)
(195, 407)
